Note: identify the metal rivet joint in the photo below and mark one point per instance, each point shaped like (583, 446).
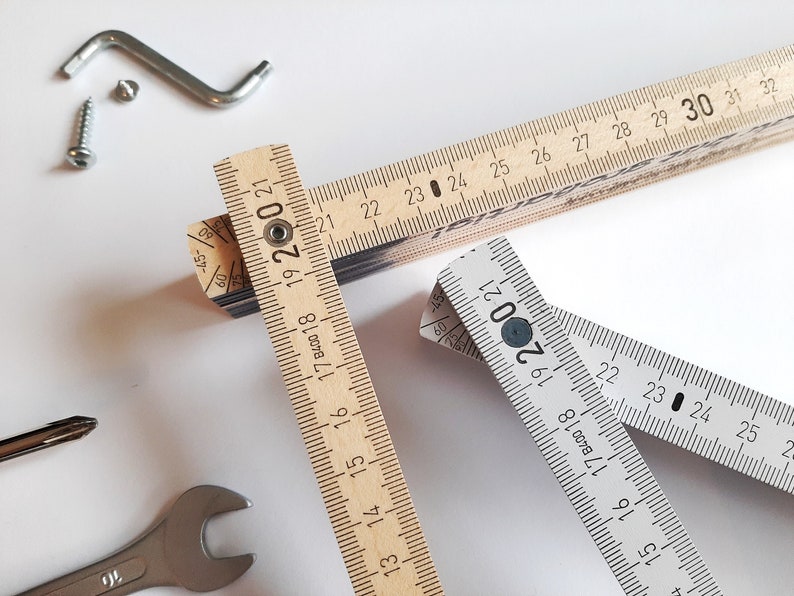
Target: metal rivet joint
(278, 232)
(516, 332)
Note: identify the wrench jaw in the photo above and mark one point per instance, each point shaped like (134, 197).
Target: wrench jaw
(186, 551)
(217, 573)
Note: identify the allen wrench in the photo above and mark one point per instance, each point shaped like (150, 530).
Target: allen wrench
(166, 68)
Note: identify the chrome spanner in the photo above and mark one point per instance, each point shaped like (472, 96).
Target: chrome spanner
(173, 553)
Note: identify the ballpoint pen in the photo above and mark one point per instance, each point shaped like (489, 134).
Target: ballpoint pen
(54, 433)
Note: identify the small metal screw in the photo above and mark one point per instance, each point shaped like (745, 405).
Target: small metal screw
(80, 156)
(127, 90)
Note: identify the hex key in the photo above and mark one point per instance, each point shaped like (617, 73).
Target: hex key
(166, 68)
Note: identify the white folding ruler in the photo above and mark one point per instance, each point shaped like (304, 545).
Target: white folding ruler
(662, 395)
(581, 438)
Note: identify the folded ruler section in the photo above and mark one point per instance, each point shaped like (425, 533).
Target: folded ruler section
(673, 400)
(486, 185)
(586, 446)
(349, 445)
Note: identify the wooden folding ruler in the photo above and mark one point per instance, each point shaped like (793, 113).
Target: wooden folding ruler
(484, 186)
(342, 426)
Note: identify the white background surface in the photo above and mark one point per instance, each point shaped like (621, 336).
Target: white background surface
(102, 315)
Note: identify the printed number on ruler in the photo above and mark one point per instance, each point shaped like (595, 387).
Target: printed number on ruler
(586, 446)
(339, 416)
(662, 395)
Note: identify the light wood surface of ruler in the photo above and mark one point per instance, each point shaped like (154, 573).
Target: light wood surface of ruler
(340, 419)
(596, 463)
(483, 186)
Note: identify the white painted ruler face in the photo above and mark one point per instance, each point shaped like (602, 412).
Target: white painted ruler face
(662, 395)
(340, 419)
(584, 443)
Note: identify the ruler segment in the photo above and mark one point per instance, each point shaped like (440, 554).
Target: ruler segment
(584, 443)
(349, 446)
(484, 186)
(662, 395)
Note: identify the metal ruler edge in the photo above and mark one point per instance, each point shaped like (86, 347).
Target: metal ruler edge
(585, 445)
(662, 395)
(400, 212)
(346, 437)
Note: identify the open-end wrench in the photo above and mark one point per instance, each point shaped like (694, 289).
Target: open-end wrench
(172, 553)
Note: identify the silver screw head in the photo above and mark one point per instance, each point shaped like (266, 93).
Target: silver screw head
(81, 157)
(127, 90)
